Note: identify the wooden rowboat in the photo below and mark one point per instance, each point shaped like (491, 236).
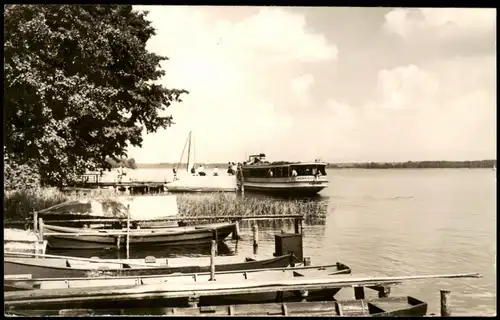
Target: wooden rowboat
(76, 238)
(176, 290)
(66, 267)
(390, 306)
(27, 282)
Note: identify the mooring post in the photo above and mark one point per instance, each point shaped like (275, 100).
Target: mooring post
(445, 303)
(359, 293)
(213, 252)
(236, 231)
(40, 228)
(35, 221)
(255, 229)
(128, 231)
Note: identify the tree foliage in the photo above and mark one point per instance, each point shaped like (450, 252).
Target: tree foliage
(124, 162)
(79, 86)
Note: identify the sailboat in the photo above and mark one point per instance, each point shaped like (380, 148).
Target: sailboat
(186, 181)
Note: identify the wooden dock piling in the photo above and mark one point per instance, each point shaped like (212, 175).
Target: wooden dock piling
(359, 293)
(236, 232)
(445, 303)
(213, 253)
(35, 222)
(40, 228)
(255, 230)
(128, 231)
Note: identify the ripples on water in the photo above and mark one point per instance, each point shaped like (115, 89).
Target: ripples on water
(395, 222)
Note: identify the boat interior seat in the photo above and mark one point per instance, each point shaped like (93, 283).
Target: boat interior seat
(353, 308)
(297, 274)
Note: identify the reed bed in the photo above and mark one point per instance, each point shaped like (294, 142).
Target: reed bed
(224, 204)
(19, 205)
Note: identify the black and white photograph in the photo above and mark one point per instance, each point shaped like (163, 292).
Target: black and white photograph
(177, 160)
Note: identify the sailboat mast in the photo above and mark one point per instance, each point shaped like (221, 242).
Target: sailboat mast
(189, 151)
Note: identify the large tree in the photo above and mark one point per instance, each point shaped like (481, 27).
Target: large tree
(79, 86)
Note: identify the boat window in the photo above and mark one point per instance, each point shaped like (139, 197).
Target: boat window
(309, 170)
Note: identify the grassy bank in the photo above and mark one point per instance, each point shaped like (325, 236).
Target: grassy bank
(19, 205)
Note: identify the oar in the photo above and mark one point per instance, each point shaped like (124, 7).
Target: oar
(78, 259)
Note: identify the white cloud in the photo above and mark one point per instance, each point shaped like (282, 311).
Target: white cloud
(441, 23)
(251, 87)
(235, 73)
(425, 114)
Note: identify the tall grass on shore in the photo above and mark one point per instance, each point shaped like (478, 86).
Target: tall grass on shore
(19, 205)
(224, 204)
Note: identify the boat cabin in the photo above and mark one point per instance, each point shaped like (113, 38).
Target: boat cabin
(258, 167)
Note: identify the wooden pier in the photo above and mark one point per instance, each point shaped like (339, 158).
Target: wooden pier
(92, 181)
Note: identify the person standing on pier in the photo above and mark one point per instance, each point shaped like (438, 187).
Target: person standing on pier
(201, 171)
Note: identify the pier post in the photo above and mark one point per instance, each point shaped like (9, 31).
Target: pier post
(35, 221)
(359, 293)
(255, 229)
(213, 252)
(40, 228)
(128, 231)
(445, 303)
(236, 231)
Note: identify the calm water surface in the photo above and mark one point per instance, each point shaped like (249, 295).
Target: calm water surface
(402, 222)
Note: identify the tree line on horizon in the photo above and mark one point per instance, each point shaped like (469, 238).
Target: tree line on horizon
(417, 164)
(366, 165)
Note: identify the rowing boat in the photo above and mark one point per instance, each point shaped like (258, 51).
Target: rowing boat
(176, 290)
(79, 238)
(27, 282)
(404, 306)
(49, 267)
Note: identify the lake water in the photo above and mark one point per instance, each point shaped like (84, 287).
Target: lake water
(403, 222)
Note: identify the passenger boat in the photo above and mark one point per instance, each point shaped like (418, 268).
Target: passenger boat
(80, 238)
(404, 306)
(69, 267)
(292, 178)
(176, 290)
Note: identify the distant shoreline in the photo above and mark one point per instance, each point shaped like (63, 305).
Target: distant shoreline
(475, 164)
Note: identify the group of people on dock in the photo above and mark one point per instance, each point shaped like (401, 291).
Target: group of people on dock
(232, 169)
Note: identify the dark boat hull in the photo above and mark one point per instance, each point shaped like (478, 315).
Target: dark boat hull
(189, 237)
(12, 267)
(395, 306)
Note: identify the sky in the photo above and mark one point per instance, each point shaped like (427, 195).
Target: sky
(342, 84)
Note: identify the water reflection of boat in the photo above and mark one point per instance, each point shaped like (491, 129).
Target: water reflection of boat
(171, 251)
(291, 178)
